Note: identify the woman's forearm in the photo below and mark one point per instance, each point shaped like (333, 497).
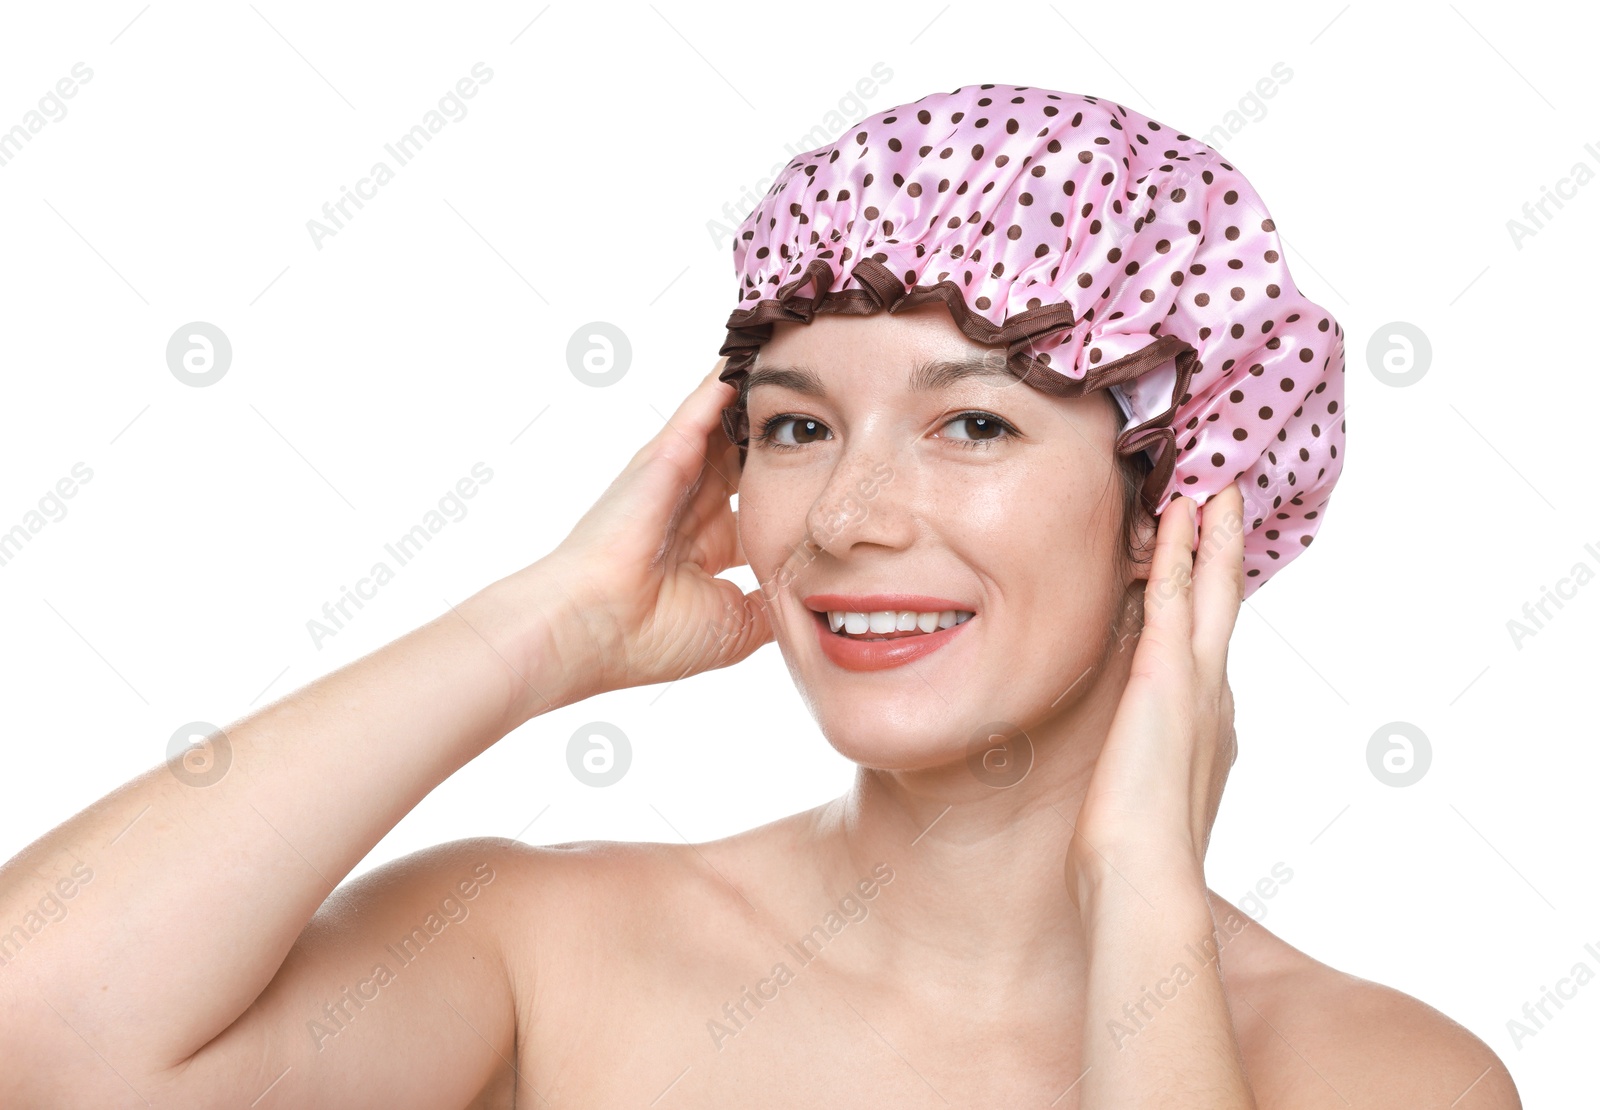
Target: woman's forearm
(185, 898)
(1157, 1030)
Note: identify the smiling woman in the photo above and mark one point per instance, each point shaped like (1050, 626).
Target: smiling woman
(992, 481)
(949, 364)
(974, 429)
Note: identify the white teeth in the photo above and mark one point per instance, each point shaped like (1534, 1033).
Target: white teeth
(883, 621)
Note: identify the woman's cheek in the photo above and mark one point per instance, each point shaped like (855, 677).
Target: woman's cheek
(769, 529)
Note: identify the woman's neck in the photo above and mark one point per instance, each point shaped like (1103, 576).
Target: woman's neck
(978, 902)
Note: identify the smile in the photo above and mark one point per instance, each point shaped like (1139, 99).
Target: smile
(888, 649)
(892, 623)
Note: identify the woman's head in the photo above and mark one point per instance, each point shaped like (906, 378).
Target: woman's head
(1095, 250)
(890, 454)
(1098, 262)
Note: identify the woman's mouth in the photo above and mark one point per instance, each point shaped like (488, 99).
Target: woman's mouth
(874, 640)
(889, 624)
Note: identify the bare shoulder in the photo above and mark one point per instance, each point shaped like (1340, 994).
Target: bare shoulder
(630, 873)
(581, 877)
(645, 893)
(1315, 1036)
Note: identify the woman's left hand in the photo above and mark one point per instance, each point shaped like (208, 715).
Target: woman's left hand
(1155, 789)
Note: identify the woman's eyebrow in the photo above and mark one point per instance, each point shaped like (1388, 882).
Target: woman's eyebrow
(930, 374)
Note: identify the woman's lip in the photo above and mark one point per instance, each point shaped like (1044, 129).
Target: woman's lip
(876, 655)
(877, 603)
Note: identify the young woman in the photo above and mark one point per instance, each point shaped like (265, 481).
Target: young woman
(1026, 661)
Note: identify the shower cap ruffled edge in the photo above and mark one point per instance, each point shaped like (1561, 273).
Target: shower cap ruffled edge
(749, 328)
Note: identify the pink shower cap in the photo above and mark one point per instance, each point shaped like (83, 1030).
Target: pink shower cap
(1101, 250)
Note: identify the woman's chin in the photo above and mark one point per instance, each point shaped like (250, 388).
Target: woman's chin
(901, 744)
(923, 755)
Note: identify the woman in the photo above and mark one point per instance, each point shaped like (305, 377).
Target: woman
(1008, 907)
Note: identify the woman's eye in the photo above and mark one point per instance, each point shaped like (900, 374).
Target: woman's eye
(985, 427)
(805, 431)
(788, 432)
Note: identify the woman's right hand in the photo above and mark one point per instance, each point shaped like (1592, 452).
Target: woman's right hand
(640, 567)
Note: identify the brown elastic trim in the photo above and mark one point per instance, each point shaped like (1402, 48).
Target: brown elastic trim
(749, 328)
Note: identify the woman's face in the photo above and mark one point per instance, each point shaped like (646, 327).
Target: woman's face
(862, 480)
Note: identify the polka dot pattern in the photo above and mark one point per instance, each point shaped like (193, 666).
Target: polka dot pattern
(1102, 250)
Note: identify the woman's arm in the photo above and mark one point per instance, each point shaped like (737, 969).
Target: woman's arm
(185, 961)
(188, 899)
(1157, 1029)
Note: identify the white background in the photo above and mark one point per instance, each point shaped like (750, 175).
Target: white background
(368, 376)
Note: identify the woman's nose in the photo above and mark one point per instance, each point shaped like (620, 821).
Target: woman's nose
(866, 500)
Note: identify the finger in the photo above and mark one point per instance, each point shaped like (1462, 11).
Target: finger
(686, 438)
(709, 522)
(671, 465)
(750, 627)
(1168, 604)
(718, 476)
(1219, 573)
